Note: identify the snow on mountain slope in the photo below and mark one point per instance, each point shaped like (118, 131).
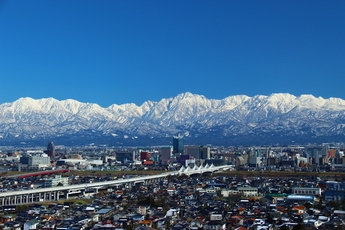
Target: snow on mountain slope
(280, 113)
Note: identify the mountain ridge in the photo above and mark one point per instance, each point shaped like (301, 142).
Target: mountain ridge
(238, 119)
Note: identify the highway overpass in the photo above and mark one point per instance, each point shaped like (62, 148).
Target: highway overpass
(63, 192)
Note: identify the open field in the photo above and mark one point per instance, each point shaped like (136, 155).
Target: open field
(284, 174)
(112, 173)
(90, 173)
(273, 174)
(80, 201)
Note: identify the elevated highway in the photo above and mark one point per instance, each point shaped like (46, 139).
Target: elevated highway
(63, 192)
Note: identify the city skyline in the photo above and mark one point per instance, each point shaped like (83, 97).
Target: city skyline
(131, 52)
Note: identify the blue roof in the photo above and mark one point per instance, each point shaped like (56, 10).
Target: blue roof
(300, 197)
(103, 211)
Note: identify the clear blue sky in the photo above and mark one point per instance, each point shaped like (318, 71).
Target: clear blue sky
(115, 52)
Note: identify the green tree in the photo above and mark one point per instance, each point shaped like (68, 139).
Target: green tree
(299, 227)
(334, 204)
(21, 208)
(284, 227)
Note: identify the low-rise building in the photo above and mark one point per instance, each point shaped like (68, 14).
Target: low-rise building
(306, 191)
(38, 162)
(248, 191)
(57, 181)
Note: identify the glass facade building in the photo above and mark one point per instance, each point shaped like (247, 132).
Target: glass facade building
(178, 145)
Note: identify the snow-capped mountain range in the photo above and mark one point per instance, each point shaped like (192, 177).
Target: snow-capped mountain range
(275, 119)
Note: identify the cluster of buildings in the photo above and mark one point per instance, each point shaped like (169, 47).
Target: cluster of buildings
(181, 202)
(190, 203)
(292, 158)
(307, 158)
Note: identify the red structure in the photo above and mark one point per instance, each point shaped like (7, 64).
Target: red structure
(145, 156)
(42, 173)
(148, 162)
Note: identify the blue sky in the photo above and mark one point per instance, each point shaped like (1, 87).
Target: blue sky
(115, 52)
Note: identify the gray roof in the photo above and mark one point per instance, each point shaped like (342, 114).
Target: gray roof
(103, 211)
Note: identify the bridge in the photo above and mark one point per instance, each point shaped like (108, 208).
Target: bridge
(63, 192)
(203, 169)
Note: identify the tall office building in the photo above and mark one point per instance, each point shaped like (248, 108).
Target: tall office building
(50, 150)
(314, 154)
(125, 156)
(205, 152)
(198, 152)
(192, 150)
(165, 153)
(178, 145)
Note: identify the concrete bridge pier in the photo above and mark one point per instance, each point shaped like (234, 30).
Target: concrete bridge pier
(129, 185)
(65, 195)
(30, 198)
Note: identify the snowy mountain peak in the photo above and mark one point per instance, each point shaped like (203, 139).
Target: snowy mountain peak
(279, 115)
(279, 97)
